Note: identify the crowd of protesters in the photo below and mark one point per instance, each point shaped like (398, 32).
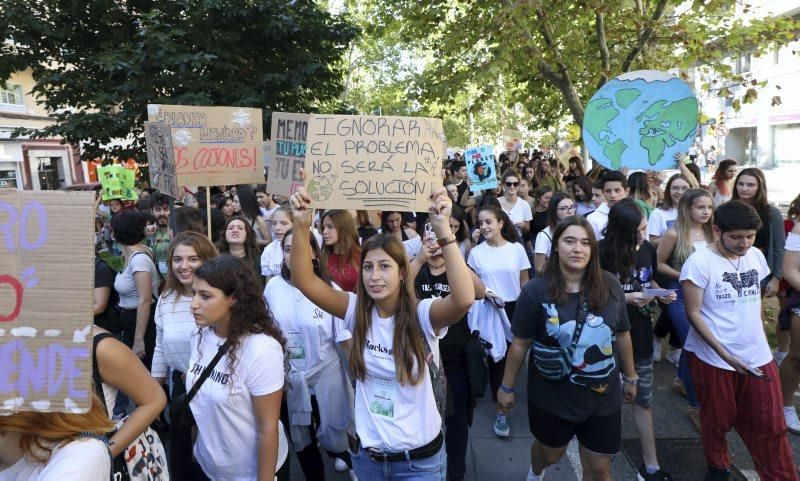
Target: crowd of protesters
(368, 337)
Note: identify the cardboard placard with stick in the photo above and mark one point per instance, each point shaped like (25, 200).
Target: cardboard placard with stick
(287, 150)
(374, 162)
(161, 159)
(46, 285)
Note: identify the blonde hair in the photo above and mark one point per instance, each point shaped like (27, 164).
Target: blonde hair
(683, 226)
(41, 432)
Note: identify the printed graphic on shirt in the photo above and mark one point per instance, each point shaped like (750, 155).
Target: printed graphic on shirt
(593, 359)
(381, 399)
(295, 344)
(639, 279)
(670, 223)
(216, 376)
(746, 285)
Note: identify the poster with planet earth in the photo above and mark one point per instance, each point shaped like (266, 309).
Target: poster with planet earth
(640, 120)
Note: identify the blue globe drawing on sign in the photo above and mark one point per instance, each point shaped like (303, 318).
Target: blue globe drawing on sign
(640, 120)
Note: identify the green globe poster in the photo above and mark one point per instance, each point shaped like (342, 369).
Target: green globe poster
(640, 120)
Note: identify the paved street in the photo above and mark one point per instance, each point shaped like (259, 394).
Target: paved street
(490, 458)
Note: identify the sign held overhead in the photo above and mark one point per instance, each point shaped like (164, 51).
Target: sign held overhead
(161, 159)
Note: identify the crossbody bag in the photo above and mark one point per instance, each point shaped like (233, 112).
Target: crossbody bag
(179, 410)
(555, 362)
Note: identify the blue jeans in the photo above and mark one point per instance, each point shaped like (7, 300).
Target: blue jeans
(677, 311)
(433, 468)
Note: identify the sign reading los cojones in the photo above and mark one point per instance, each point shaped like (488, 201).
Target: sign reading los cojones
(287, 150)
(46, 282)
(214, 145)
(373, 162)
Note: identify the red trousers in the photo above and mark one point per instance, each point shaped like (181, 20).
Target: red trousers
(754, 407)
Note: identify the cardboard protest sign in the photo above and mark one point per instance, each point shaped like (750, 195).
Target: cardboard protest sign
(46, 282)
(117, 182)
(214, 145)
(640, 120)
(481, 168)
(566, 151)
(512, 140)
(161, 159)
(373, 162)
(287, 152)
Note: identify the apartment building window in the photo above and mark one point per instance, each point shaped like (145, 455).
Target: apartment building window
(11, 98)
(743, 62)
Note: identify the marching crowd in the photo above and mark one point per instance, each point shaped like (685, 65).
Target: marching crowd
(367, 337)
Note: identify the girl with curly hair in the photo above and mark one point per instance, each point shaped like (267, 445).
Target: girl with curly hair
(237, 408)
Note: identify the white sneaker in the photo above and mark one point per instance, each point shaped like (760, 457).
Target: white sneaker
(674, 356)
(533, 477)
(340, 466)
(779, 356)
(792, 422)
(657, 350)
(353, 476)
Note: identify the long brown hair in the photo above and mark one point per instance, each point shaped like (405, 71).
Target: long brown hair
(251, 250)
(719, 175)
(203, 247)
(667, 204)
(249, 314)
(683, 225)
(759, 201)
(794, 209)
(42, 431)
(347, 247)
(593, 283)
(407, 339)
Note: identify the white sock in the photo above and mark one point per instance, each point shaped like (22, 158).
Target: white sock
(533, 477)
(788, 410)
(652, 469)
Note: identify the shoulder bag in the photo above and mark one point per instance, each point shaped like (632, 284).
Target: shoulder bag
(180, 412)
(555, 362)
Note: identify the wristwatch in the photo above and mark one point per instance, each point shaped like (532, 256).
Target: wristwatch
(630, 380)
(451, 239)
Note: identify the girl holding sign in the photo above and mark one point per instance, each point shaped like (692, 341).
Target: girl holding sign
(395, 354)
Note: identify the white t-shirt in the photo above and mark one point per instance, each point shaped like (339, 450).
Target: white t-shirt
(599, 220)
(521, 211)
(272, 256)
(413, 246)
(227, 440)
(82, 459)
(391, 416)
(499, 267)
(731, 306)
(174, 327)
(310, 332)
(544, 242)
(661, 221)
(125, 283)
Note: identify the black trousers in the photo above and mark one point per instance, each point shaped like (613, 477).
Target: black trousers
(180, 439)
(310, 458)
(128, 321)
(458, 423)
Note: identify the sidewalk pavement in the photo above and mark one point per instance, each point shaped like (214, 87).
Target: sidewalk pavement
(492, 459)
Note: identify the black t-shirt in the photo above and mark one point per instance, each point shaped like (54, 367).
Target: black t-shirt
(462, 187)
(453, 345)
(593, 387)
(104, 277)
(640, 320)
(538, 223)
(365, 232)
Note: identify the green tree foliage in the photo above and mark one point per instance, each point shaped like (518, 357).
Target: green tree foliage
(548, 57)
(98, 63)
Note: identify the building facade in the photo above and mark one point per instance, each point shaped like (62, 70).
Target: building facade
(32, 164)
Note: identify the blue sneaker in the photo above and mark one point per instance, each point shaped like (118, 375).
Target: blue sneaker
(501, 428)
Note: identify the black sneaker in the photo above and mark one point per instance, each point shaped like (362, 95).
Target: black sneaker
(717, 475)
(659, 475)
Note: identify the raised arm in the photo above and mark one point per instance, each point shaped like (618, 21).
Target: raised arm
(318, 292)
(452, 308)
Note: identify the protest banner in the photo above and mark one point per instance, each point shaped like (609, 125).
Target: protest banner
(287, 152)
(46, 283)
(512, 140)
(214, 145)
(565, 151)
(117, 182)
(481, 168)
(161, 159)
(640, 120)
(373, 162)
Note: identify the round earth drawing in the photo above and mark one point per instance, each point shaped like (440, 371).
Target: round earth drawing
(320, 188)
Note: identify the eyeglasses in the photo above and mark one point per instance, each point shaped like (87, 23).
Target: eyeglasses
(567, 208)
(512, 184)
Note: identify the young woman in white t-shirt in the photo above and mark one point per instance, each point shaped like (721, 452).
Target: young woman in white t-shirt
(502, 265)
(174, 327)
(237, 409)
(662, 218)
(272, 257)
(38, 446)
(398, 425)
(315, 368)
(518, 210)
(561, 206)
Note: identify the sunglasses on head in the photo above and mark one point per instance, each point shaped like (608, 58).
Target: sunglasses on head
(511, 184)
